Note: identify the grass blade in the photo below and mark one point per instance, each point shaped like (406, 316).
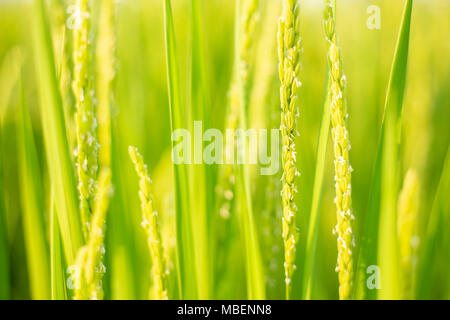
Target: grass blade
(384, 189)
(120, 246)
(4, 250)
(185, 246)
(58, 289)
(313, 228)
(9, 75)
(150, 223)
(255, 273)
(58, 156)
(198, 178)
(439, 212)
(33, 206)
(387, 249)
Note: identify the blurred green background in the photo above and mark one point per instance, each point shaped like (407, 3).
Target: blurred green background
(141, 118)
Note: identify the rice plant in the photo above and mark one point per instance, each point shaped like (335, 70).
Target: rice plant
(90, 257)
(86, 123)
(228, 101)
(289, 48)
(341, 146)
(150, 224)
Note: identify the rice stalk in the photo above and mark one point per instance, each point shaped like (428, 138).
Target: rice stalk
(264, 115)
(62, 52)
(90, 257)
(341, 144)
(105, 75)
(289, 51)
(55, 137)
(249, 16)
(85, 120)
(162, 199)
(254, 267)
(150, 224)
(407, 231)
(271, 238)
(226, 191)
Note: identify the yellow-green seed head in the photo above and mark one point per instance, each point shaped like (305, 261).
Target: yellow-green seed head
(249, 18)
(342, 168)
(85, 120)
(90, 256)
(150, 224)
(289, 49)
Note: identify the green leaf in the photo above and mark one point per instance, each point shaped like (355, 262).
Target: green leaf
(198, 172)
(254, 267)
(380, 225)
(120, 250)
(32, 206)
(4, 250)
(58, 288)
(57, 150)
(314, 220)
(440, 213)
(185, 245)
